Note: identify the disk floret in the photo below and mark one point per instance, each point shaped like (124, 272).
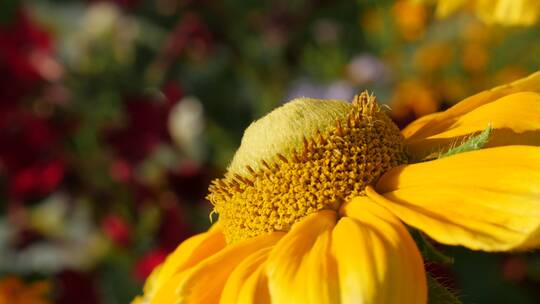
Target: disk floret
(321, 172)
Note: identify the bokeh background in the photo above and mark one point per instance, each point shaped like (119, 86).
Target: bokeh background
(115, 116)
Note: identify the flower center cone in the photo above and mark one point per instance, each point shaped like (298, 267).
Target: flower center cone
(306, 156)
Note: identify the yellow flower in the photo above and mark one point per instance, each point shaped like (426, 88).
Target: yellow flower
(433, 57)
(474, 58)
(504, 12)
(412, 98)
(15, 291)
(313, 206)
(410, 19)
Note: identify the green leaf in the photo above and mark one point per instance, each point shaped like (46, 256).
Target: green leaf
(471, 143)
(439, 294)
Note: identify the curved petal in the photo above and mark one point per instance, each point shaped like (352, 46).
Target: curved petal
(431, 125)
(377, 260)
(447, 7)
(300, 267)
(204, 282)
(509, 12)
(248, 282)
(515, 119)
(416, 127)
(188, 253)
(191, 251)
(530, 83)
(487, 199)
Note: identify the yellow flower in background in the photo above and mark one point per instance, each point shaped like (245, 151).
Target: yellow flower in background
(412, 98)
(14, 291)
(474, 57)
(475, 31)
(455, 88)
(433, 57)
(508, 74)
(504, 12)
(313, 205)
(372, 20)
(410, 19)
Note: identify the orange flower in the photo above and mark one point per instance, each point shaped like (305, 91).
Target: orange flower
(410, 19)
(412, 99)
(433, 56)
(14, 291)
(474, 58)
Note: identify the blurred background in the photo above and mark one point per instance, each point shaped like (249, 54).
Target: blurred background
(115, 115)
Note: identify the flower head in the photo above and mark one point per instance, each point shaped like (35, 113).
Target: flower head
(313, 206)
(504, 12)
(280, 175)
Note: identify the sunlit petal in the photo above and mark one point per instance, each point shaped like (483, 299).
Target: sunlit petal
(378, 261)
(487, 199)
(431, 125)
(300, 267)
(515, 119)
(248, 282)
(190, 252)
(204, 282)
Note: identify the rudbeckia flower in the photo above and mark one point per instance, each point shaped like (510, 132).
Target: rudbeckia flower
(504, 12)
(314, 205)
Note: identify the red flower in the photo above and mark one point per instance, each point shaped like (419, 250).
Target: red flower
(191, 34)
(148, 262)
(190, 182)
(121, 171)
(21, 42)
(29, 152)
(24, 137)
(28, 144)
(174, 227)
(173, 92)
(146, 124)
(117, 230)
(514, 268)
(39, 179)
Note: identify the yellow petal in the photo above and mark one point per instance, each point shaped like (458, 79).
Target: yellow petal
(433, 124)
(300, 267)
(187, 254)
(248, 282)
(416, 128)
(509, 12)
(503, 12)
(191, 251)
(487, 199)
(166, 291)
(447, 7)
(204, 282)
(515, 119)
(150, 287)
(530, 83)
(378, 262)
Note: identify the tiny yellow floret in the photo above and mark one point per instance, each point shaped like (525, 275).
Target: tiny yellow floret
(303, 157)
